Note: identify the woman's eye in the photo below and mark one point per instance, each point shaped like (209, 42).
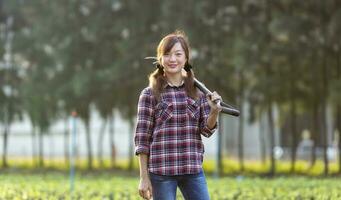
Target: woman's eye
(179, 54)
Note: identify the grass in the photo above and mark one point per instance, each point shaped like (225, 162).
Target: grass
(105, 186)
(24, 181)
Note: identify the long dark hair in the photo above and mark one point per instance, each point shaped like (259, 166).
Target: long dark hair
(157, 80)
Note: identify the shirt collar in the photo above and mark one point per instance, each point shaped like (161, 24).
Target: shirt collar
(171, 85)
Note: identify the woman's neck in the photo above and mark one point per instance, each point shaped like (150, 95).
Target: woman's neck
(174, 79)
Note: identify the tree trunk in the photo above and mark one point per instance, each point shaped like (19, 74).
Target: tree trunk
(88, 143)
(315, 103)
(323, 97)
(293, 125)
(241, 123)
(41, 148)
(262, 143)
(219, 149)
(338, 108)
(51, 147)
(240, 31)
(111, 140)
(324, 91)
(268, 39)
(314, 134)
(293, 135)
(131, 145)
(34, 145)
(272, 140)
(5, 143)
(324, 133)
(100, 143)
(338, 119)
(66, 142)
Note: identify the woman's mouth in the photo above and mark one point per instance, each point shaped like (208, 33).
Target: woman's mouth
(172, 65)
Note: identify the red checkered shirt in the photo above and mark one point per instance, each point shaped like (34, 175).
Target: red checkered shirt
(169, 131)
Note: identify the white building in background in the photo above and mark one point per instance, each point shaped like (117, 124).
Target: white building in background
(252, 133)
(20, 139)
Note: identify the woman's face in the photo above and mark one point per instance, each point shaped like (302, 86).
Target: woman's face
(174, 60)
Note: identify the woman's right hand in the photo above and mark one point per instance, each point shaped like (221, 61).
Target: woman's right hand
(145, 188)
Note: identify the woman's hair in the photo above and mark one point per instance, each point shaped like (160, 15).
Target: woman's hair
(157, 80)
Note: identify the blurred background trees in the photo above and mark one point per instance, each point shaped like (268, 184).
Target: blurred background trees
(73, 55)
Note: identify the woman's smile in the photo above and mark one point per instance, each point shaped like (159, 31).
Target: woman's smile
(172, 65)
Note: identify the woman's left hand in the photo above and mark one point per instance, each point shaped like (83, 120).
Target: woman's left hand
(214, 100)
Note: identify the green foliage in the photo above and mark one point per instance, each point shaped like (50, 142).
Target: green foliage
(113, 186)
(68, 55)
(88, 50)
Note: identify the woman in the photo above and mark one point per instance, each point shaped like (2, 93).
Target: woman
(172, 116)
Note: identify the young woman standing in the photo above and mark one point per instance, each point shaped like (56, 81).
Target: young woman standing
(172, 116)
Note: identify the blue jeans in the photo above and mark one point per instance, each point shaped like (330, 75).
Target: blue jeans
(192, 186)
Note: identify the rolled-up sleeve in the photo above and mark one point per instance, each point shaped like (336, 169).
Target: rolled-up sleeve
(204, 113)
(145, 122)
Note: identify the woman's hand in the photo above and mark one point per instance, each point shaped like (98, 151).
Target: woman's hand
(214, 100)
(145, 188)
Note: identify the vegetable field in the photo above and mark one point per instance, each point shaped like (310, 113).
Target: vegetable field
(111, 186)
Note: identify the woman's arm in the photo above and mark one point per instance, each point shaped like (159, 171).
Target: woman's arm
(145, 187)
(143, 132)
(143, 160)
(209, 114)
(215, 110)
(212, 119)
(145, 122)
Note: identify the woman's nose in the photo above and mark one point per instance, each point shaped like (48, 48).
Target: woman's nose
(172, 57)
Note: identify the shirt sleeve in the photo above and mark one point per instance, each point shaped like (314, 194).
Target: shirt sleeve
(145, 123)
(204, 113)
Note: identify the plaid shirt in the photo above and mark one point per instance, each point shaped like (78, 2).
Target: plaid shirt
(170, 131)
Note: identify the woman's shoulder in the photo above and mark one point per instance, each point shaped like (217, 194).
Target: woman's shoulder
(201, 94)
(147, 91)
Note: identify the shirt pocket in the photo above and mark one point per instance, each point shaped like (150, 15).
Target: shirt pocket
(164, 111)
(193, 108)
